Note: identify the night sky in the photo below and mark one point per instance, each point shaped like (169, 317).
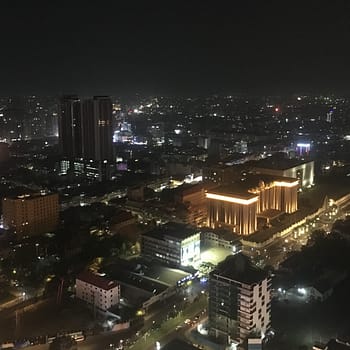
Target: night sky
(198, 48)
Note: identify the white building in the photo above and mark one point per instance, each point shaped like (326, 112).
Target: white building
(239, 299)
(97, 290)
(173, 243)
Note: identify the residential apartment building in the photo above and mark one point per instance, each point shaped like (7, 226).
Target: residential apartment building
(96, 290)
(239, 299)
(31, 214)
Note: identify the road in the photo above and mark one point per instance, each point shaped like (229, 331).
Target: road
(147, 338)
(277, 251)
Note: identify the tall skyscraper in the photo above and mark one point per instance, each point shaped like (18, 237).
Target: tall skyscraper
(239, 299)
(86, 135)
(97, 129)
(70, 127)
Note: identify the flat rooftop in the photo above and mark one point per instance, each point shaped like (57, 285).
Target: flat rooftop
(239, 268)
(241, 188)
(145, 275)
(29, 196)
(172, 229)
(277, 162)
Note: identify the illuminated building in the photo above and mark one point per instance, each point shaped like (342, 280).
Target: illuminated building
(97, 290)
(278, 166)
(173, 244)
(237, 206)
(303, 149)
(31, 214)
(239, 299)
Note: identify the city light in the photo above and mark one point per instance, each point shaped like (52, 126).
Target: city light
(231, 199)
(286, 184)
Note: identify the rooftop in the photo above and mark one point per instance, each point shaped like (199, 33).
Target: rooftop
(97, 280)
(277, 162)
(29, 196)
(172, 229)
(241, 188)
(239, 268)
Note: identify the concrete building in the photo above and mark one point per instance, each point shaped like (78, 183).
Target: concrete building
(70, 127)
(97, 290)
(192, 198)
(239, 299)
(4, 152)
(281, 166)
(238, 205)
(86, 136)
(31, 214)
(222, 239)
(173, 244)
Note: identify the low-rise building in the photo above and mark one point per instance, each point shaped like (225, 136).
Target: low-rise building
(97, 290)
(222, 239)
(173, 244)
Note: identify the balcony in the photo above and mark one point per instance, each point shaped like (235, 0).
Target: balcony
(245, 323)
(246, 292)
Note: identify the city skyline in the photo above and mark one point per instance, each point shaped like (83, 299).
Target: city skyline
(175, 175)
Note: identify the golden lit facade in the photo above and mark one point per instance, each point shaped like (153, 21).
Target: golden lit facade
(31, 214)
(278, 195)
(236, 212)
(240, 211)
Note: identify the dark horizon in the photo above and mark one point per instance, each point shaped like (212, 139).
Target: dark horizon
(197, 49)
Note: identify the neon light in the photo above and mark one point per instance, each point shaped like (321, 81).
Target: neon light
(231, 199)
(286, 184)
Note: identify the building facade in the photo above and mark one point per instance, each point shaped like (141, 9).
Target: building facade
(304, 171)
(172, 244)
(86, 135)
(96, 290)
(239, 299)
(70, 127)
(238, 206)
(31, 214)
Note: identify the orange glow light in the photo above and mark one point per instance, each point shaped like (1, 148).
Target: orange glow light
(220, 197)
(286, 184)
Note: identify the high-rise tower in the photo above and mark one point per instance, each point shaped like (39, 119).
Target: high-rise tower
(86, 136)
(70, 127)
(97, 129)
